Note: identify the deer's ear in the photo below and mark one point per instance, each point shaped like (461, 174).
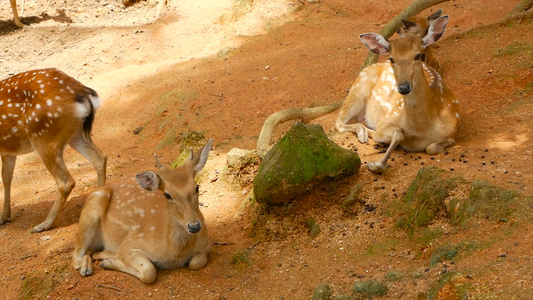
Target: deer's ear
(435, 31)
(148, 180)
(375, 43)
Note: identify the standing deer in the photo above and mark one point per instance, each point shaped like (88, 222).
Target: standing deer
(43, 110)
(155, 222)
(401, 102)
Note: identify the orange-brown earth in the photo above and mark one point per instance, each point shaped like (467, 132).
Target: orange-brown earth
(222, 68)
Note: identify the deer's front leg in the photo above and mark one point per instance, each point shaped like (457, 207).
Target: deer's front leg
(396, 136)
(132, 262)
(8, 165)
(198, 261)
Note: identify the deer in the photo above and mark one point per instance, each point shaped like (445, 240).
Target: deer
(151, 222)
(16, 18)
(419, 26)
(43, 111)
(403, 101)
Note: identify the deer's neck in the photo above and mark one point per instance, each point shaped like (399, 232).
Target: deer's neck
(419, 102)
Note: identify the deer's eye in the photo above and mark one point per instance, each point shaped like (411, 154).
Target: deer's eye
(418, 56)
(391, 60)
(197, 189)
(167, 195)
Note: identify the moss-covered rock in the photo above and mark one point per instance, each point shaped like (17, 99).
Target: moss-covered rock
(425, 198)
(303, 158)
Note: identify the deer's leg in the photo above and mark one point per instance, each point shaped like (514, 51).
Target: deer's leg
(8, 165)
(133, 262)
(16, 18)
(89, 233)
(52, 157)
(396, 135)
(439, 147)
(93, 154)
(354, 107)
(198, 261)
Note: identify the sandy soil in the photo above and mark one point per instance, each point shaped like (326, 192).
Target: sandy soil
(221, 69)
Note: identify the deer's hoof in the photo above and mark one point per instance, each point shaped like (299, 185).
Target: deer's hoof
(376, 167)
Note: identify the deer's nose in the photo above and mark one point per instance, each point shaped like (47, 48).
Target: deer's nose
(404, 88)
(194, 227)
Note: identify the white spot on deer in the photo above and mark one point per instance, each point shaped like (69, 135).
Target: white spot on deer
(135, 227)
(49, 102)
(457, 115)
(153, 211)
(14, 129)
(9, 105)
(4, 117)
(152, 228)
(1, 102)
(38, 106)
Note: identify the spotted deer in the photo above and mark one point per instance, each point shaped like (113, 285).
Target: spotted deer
(138, 226)
(403, 101)
(43, 111)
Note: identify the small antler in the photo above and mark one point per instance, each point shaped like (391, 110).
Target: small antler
(158, 164)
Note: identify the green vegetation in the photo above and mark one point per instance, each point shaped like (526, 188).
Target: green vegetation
(35, 288)
(322, 292)
(369, 289)
(241, 259)
(314, 229)
(516, 48)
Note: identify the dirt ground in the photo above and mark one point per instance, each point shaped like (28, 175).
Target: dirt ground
(221, 68)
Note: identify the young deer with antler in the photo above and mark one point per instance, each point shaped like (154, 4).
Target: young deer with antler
(155, 222)
(401, 102)
(43, 111)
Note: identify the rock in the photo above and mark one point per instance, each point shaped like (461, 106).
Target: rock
(240, 158)
(301, 160)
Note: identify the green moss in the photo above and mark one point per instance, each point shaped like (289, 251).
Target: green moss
(369, 289)
(424, 199)
(35, 288)
(490, 201)
(322, 292)
(314, 229)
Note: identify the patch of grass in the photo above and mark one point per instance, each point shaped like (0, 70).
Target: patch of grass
(314, 229)
(445, 253)
(394, 276)
(516, 48)
(439, 284)
(490, 201)
(369, 289)
(424, 199)
(35, 288)
(169, 138)
(322, 292)
(241, 258)
(381, 248)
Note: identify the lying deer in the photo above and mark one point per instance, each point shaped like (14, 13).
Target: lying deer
(43, 110)
(401, 102)
(155, 222)
(16, 18)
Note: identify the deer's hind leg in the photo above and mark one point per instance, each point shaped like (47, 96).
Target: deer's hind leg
(94, 155)
(354, 107)
(89, 232)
